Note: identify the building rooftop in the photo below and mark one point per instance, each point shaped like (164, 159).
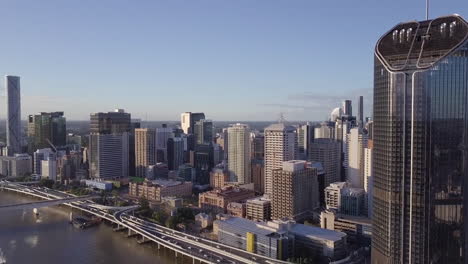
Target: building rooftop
(274, 228)
(228, 191)
(339, 185)
(166, 183)
(279, 127)
(352, 191)
(294, 165)
(318, 166)
(317, 232)
(259, 200)
(356, 219)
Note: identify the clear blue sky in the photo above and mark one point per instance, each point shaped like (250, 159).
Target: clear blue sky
(233, 60)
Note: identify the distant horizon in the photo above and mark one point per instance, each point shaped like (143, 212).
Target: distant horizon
(178, 121)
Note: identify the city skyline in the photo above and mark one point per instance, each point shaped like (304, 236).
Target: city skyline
(304, 144)
(148, 55)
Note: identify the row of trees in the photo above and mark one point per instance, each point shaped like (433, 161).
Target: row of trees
(181, 215)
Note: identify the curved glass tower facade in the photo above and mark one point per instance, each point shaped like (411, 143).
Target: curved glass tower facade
(421, 143)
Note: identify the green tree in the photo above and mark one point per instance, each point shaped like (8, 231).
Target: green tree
(185, 213)
(160, 217)
(115, 193)
(46, 183)
(172, 222)
(145, 209)
(144, 204)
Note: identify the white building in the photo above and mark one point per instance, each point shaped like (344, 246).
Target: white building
(356, 142)
(49, 169)
(39, 156)
(280, 145)
(239, 154)
(185, 121)
(368, 177)
(335, 114)
(325, 130)
(333, 195)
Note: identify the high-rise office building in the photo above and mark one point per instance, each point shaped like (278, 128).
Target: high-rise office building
(328, 153)
(258, 175)
(13, 117)
(175, 153)
(325, 130)
(357, 141)
(134, 124)
(360, 117)
(162, 136)
(116, 122)
(202, 159)
(420, 138)
(49, 169)
(280, 145)
(333, 195)
(239, 154)
(145, 150)
(108, 140)
(188, 119)
(352, 201)
(45, 128)
(185, 122)
(305, 135)
(108, 155)
(40, 155)
(295, 190)
(203, 131)
(336, 114)
(257, 146)
(347, 108)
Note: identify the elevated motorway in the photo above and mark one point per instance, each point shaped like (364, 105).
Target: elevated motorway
(46, 203)
(200, 249)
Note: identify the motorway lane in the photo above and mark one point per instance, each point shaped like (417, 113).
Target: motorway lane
(207, 243)
(182, 244)
(211, 250)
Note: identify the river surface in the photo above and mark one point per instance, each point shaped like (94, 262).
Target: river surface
(50, 238)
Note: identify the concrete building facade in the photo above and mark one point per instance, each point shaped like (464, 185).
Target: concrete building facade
(239, 154)
(295, 190)
(280, 145)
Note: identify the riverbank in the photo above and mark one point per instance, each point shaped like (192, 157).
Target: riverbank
(50, 238)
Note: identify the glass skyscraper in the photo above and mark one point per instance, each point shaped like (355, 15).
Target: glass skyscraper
(420, 143)
(13, 118)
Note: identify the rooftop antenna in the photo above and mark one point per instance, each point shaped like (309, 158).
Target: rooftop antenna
(146, 119)
(281, 118)
(427, 9)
